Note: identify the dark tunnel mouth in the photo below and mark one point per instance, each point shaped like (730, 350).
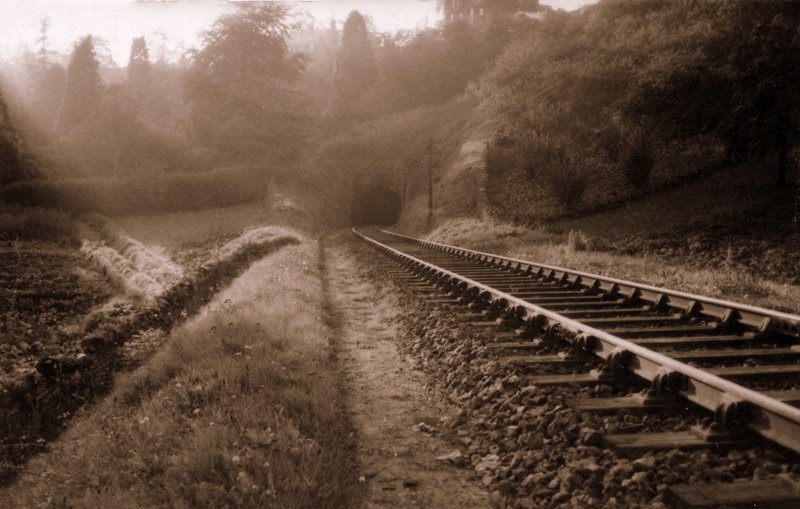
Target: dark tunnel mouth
(375, 204)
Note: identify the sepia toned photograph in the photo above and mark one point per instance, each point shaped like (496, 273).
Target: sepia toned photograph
(400, 254)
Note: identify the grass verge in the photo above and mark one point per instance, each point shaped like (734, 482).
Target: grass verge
(242, 408)
(725, 278)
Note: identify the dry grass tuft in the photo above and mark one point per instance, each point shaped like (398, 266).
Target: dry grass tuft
(243, 408)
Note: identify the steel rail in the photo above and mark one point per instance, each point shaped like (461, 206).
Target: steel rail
(753, 316)
(729, 401)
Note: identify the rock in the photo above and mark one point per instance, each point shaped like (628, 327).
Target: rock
(488, 463)
(423, 427)
(621, 471)
(529, 480)
(455, 458)
(506, 488)
(646, 462)
(561, 496)
(585, 466)
(589, 436)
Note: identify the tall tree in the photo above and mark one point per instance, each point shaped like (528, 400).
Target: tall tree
(83, 90)
(138, 64)
(241, 86)
(11, 164)
(355, 70)
(45, 78)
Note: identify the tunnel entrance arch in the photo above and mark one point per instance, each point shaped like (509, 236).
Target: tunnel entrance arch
(375, 203)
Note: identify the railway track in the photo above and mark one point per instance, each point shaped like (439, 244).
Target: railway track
(738, 364)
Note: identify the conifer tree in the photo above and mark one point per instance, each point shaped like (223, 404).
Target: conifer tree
(138, 64)
(83, 90)
(356, 70)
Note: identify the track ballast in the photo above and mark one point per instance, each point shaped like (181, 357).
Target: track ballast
(738, 362)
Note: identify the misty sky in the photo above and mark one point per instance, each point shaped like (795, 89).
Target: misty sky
(174, 26)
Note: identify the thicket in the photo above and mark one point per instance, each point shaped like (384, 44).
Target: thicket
(626, 95)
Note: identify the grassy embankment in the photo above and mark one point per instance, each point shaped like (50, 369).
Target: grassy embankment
(726, 279)
(242, 408)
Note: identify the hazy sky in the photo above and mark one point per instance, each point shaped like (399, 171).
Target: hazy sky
(174, 25)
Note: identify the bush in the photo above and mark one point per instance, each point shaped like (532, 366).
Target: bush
(567, 186)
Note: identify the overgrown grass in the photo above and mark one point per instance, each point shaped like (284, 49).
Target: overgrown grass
(243, 408)
(727, 279)
(180, 191)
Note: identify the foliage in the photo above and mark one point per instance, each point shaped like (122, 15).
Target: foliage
(710, 80)
(83, 89)
(434, 65)
(138, 64)
(355, 70)
(637, 160)
(544, 162)
(241, 90)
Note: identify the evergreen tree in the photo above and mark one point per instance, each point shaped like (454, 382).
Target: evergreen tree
(241, 87)
(138, 64)
(83, 90)
(45, 80)
(356, 70)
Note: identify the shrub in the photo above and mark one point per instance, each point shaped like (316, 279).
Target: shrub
(637, 160)
(578, 241)
(567, 186)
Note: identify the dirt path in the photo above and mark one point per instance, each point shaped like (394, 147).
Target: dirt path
(389, 400)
